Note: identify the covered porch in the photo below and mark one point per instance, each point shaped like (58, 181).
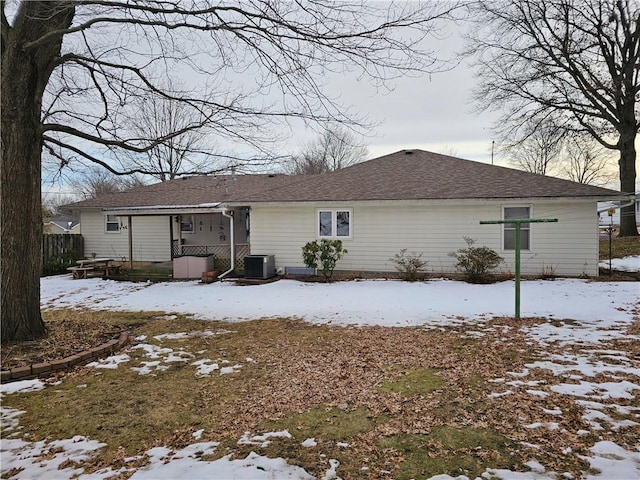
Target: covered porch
(217, 233)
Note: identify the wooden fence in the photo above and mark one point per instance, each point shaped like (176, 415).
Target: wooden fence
(55, 245)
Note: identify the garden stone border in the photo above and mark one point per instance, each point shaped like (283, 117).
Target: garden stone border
(47, 368)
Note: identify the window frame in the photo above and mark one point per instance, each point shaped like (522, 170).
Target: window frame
(193, 224)
(528, 228)
(334, 223)
(107, 222)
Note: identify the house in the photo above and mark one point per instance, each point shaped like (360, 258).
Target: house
(412, 199)
(62, 224)
(610, 212)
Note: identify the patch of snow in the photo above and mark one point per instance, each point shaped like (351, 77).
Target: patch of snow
(538, 393)
(262, 440)
(233, 369)
(594, 390)
(152, 351)
(309, 442)
(45, 459)
(189, 466)
(612, 461)
(205, 367)
(555, 411)
(110, 363)
(331, 474)
(9, 418)
(501, 394)
(21, 386)
(625, 264)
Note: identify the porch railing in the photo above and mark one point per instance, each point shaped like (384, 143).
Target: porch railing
(221, 253)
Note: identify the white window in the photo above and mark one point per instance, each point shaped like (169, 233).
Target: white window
(334, 223)
(112, 224)
(187, 224)
(509, 236)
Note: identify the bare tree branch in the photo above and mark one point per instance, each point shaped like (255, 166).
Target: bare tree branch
(334, 149)
(577, 63)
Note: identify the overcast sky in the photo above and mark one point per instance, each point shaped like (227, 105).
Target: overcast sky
(431, 112)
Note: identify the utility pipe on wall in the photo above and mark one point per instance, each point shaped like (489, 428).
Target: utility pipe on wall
(229, 215)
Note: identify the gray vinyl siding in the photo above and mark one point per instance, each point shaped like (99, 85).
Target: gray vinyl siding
(151, 238)
(380, 230)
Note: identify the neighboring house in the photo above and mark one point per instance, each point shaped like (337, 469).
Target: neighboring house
(62, 224)
(604, 208)
(420, 201)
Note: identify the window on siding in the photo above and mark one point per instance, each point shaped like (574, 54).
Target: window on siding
(186, 224)
(334, 223)
(112, 224)
(510, 228)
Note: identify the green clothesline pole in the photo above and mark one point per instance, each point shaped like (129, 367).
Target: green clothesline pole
(518, 222)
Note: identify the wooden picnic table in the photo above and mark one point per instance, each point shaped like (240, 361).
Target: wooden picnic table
(100, 265)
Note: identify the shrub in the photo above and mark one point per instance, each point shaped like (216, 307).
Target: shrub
(476, 262)
(58, 264)
(411, 267)
(323, 255)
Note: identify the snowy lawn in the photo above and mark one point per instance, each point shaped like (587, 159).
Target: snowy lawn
(461, 391)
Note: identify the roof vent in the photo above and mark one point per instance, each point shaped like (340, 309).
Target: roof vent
(408, 152)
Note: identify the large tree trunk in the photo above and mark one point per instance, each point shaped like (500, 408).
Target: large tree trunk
(628, 227)
(25, 73)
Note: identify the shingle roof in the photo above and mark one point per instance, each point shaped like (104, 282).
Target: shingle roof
(417, 174)
(404, 175)
(184, 191)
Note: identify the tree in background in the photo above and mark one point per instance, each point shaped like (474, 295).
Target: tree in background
(576, 62)
(585, 161)
(551, 150)
(73, 72)
(158, 117)
(539, 152)
(337, 147)
(95, 181)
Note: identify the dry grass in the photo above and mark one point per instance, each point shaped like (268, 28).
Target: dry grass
(381, 390)
(620, 247)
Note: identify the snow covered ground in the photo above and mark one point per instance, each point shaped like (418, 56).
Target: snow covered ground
(602, 311)
(626, 264)
(367, 302)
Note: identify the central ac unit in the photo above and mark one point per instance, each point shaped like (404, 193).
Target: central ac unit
(259, 266)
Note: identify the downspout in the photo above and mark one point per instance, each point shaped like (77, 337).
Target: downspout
(232, 240)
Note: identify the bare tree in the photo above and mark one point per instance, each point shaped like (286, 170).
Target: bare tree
(158, 117)
(336, 148)
(96, 181)
(72, 70)
(574, 61)
(539, 152)
(585, 161)
(52, 202)
(450, 150)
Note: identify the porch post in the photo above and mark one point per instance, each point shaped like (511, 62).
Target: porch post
(171, 237)
(130, 235)
(179, 217)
